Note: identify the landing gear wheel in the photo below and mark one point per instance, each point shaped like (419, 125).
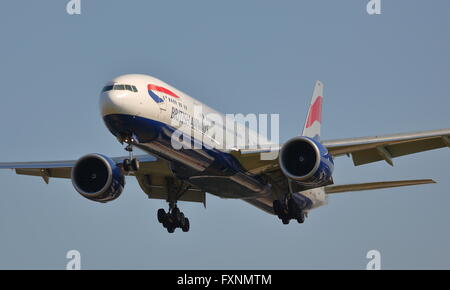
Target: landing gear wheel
(161, 215)
(292, 208)
(186, 225)
(126, 165)
(166, 223)
(182, 220)
(176, 216)
(175, 211)
(277, 208)
(285, 221)
(130, 163)
(171, 229)
(301, 218)
(134, 164)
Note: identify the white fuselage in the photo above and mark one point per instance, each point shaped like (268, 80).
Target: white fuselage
(148, 99)
(176, 109)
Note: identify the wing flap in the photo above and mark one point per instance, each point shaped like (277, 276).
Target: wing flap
(63, 172)
(252, 161)
(191, 195)
(156, 187)
(396, 150)
(375, 185)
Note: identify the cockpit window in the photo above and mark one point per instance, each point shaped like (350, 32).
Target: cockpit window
(107, 88)
(119, 87)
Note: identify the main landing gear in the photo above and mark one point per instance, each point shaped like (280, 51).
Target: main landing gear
(287, 210)
(174, 218)
(130, 164)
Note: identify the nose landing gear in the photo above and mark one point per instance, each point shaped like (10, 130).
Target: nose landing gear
(130, 164)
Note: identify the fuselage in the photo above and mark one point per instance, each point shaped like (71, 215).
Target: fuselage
(149, 112)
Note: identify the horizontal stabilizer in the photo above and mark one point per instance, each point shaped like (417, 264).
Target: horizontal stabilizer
(375, 185)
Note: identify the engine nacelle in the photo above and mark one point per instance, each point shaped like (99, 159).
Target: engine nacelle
(98, 178)
(307, 162)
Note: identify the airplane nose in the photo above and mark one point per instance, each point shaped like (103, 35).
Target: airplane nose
(116, 102)
(121, 109)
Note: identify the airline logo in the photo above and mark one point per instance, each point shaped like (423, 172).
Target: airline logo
(152, 89)
(315, 112)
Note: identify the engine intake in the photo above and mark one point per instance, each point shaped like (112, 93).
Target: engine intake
(306, 161)
(98, 178)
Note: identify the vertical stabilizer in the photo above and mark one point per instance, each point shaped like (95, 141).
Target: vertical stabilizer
(314, 117)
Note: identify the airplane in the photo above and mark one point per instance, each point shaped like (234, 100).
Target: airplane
(140, 111)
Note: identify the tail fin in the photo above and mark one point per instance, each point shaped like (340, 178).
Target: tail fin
(314, 118)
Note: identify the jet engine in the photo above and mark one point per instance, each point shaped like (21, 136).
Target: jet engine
(98, 178)
(306, 162)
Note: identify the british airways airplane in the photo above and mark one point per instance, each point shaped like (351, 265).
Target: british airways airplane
(144, 112)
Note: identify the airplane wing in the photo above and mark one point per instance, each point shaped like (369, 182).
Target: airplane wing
(57, 169)
(363, 150)
(331, 189)
(371, 149)
(153, 177)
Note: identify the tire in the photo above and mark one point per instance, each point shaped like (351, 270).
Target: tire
(277, 208)
(161, 215)
(168, 221)
(186, 225)
(182, 220)
(126, 165)
(285, 221)
(176, 215)
(170, 229)
(134, 164)
(301, 219)
(292, 208)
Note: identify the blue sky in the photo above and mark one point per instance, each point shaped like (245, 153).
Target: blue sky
(383, 74)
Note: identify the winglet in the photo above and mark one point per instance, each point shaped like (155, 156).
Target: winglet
(314, 117)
